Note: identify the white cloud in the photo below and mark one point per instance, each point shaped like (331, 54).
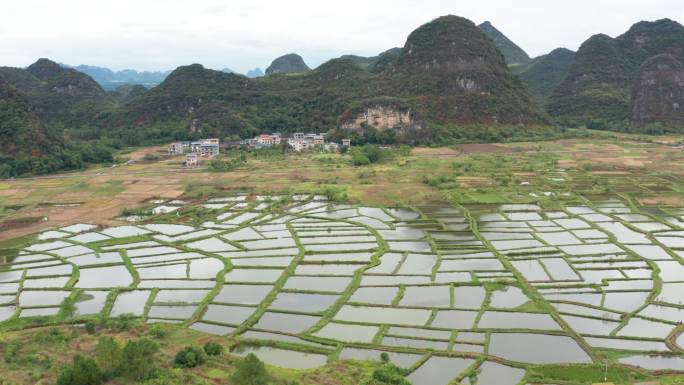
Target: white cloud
(157, 34)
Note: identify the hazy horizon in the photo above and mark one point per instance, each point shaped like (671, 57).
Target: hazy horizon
(159, 36)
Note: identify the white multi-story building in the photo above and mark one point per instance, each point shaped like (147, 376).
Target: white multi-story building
(178, 148)
(299, 145)
(202, 147)
(206, 147)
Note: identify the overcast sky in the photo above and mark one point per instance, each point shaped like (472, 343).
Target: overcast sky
(241, 34)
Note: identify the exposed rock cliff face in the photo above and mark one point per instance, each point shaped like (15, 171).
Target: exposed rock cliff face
(659, 93)
(384, 117)
(381, 118)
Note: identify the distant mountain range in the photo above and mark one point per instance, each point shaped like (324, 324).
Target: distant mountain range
(449, 80)
(111, 80)
(255, 73)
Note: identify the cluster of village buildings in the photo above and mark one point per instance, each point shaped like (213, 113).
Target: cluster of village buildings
(298, 141)
(209, 148)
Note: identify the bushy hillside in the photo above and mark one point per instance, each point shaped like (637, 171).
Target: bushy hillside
(460, 77)
(600, 85)
(448, 73)
(513, 54)
(39, 107)
(28, 146)
(448, 81)
(60, 97)
(287, 64)
(544, 73)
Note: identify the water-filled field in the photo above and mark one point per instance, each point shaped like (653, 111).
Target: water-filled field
(449, 292)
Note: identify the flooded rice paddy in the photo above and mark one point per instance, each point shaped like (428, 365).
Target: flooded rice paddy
(444, 290)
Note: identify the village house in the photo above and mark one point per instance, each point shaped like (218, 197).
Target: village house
(331, 147)
(179, 148)
(206, 147)
(269, 140)
(299, 145)
(192, 160)
(203, 147)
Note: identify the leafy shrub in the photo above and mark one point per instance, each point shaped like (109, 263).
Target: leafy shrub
(441, 181)
(390, 374)
(52, 336)
(250, 371)
(158, 331)
(124, 322)
(213, 348)
(151, 157)
(12, 351)
(369, 154)
(189, 357)
(335, 194)
(360, 159)
(228, 165)
(83, 371)
(90, 327)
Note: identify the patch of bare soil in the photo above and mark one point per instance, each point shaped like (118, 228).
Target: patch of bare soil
(611, 173)
(139, 155)
(473, 181)
(441, 151)
(484, 148)
(19, 223)
(664, 200)
(567, 163)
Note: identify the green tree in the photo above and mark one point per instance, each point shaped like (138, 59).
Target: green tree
(5, 171)
(109, 355)
(138, 359)
(68, 307)
(250, 371)
(83, 371)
